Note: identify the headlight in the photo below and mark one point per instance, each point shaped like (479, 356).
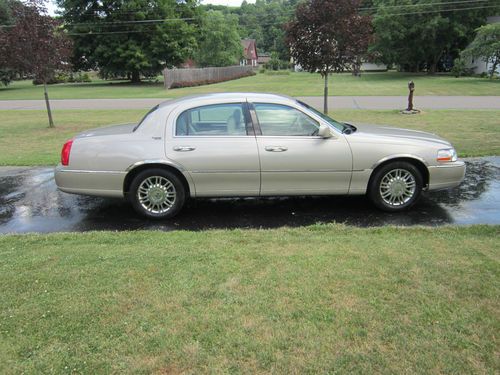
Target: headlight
(446, 155)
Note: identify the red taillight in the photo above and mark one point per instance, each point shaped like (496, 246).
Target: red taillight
(65, 152)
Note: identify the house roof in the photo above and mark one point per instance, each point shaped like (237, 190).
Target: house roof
(249, 49)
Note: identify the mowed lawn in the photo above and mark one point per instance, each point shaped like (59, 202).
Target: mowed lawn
(25, 138)
(320, 299)
(295, 84)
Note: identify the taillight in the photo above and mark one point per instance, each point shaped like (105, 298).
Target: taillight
(65, 152)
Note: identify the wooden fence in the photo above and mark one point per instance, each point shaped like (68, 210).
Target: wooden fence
(202, 76)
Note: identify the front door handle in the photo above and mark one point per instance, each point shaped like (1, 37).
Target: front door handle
(276, 148)
(184, 148)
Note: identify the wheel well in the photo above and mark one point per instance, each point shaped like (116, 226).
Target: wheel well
(417, 163)
(134, 172)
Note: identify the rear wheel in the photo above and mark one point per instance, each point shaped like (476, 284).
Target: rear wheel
(157, 194)
(396, 186)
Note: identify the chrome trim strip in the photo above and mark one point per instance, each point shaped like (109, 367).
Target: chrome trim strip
(155, 161)
(390, 157)
(455, 164)
(228, 171)
(279, 170)
(89, 171)
(307, 170)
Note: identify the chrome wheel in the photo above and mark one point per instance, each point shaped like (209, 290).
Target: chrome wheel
(156, 194)
(397, 187)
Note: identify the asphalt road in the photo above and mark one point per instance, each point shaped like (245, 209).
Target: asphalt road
(334, 102)
(30, 202)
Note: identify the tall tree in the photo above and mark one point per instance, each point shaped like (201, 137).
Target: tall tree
(36, 45)
(328, 36)
(486, 45)
(7, 21)
(130, 38)
(417, 34)
(220, 43)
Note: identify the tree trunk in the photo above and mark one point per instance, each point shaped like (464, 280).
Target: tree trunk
(493, 68)
(136, 77)
(47, 104)
(325, 102)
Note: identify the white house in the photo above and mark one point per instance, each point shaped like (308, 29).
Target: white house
(479, 64)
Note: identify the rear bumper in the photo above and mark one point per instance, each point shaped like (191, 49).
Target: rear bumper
(99, 183)
(446, 176)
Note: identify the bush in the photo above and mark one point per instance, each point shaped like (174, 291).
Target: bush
(460, 68)
(6, 76)
(277, 72)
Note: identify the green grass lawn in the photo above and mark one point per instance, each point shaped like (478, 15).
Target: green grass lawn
(320, 299)
(295, 84)
(26, 140)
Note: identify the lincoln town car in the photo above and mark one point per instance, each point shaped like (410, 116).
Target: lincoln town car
(252, 145)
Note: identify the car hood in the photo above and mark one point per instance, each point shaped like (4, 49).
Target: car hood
(108, 130)
(398, 134)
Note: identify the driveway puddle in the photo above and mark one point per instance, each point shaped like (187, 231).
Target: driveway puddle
(30, 202)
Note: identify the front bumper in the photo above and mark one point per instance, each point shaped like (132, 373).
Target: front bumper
(447, 175)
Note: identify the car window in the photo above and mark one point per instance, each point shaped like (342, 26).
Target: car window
(336, 124)
(277, 119)
(212, 120)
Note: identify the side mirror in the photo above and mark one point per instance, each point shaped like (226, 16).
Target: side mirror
(324, 131)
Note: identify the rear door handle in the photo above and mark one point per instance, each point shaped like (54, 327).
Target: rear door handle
(184, 148)
(276, 148)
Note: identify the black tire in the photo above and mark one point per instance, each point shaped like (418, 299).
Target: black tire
(161, 206)
(397, 187)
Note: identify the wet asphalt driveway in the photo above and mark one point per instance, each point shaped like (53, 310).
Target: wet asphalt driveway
(30, 202)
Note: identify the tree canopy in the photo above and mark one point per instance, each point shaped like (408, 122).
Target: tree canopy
(486, 44)
(219, 43)
(419, 34)
(328, 36)
(130, 38)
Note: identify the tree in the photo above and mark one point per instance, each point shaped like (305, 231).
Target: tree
(220, 43)
(419, 34)
(486, 44)
(130, 38)
(6, 20)
(327, 36)
(36, 45)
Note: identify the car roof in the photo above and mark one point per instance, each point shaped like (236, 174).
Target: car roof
(252, 96)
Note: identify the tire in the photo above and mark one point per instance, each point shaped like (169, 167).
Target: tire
(396, 186)
(157, 194)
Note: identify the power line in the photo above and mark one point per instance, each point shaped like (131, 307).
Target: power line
(440, 10)
(160, 21)
(424, 4)
(132, 22)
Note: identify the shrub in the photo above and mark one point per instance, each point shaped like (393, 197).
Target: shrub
(6, 76)
(460, 68)
(277, 72)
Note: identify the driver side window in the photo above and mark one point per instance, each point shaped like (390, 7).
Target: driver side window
(281, 120)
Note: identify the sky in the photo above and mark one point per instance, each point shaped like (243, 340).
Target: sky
(51, 7)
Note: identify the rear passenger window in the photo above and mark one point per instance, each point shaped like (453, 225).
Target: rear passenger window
(212, 120)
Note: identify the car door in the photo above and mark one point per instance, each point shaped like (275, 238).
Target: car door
(216, 144)
(295, 161)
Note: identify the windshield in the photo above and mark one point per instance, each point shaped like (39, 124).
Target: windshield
(145, 117)
(337, 125)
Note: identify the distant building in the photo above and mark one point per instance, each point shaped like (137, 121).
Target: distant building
(478, 64)
(263, 58)
(250, 56)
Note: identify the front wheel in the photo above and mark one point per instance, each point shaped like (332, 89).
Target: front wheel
(396, 186)
(157, 194)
